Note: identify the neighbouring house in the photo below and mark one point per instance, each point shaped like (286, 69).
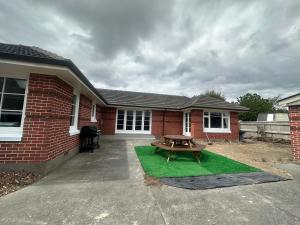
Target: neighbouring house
(293, 104)
(45, 100)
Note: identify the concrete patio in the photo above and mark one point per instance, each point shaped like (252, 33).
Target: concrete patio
(107, 187)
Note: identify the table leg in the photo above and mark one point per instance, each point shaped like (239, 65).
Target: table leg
(197, 156)
(169, 156)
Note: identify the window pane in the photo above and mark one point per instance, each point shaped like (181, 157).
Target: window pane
(147, 113)
(73, 110)
(72, 120)
(189, 122)
(129, 120)
(120, 112)
(146, 124)
(15, 86)
(206, 122)
(120, 127)
(10, 119)
(1, 83)
(225, 122)
(206, 113)
(147, 121)
(215, 120)
(139, 115)
(74, 99)
(93, 110)
(13, 102)
(120, 121)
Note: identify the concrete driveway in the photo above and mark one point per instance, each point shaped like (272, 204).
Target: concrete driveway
(106, 187)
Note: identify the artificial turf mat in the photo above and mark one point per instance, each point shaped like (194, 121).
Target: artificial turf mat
(184, 164)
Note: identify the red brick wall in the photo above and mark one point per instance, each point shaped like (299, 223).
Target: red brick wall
(197, 127)
(46, 125)
(172, 123)
(294, 114)
(108, 122)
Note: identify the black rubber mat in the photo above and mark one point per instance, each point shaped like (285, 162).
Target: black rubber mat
(223, 180)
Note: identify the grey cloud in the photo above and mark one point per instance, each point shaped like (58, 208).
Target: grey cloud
(175, 47)
(114, 25)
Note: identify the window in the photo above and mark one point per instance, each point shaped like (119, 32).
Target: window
(138, 120)
(216, 122)
(120, 119)
(74, 115)
(147, 120)
(129, 120)
(133, 121)
(12, 96)
(94, 113)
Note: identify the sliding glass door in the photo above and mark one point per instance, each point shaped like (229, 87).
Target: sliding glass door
(133, 121)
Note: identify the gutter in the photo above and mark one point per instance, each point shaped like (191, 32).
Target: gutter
(176, 109)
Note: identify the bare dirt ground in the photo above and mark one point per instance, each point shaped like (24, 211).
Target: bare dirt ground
(14, 180)
(262, 155)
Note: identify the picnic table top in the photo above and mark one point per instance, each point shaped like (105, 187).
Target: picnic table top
(178, 137)
(195, 148)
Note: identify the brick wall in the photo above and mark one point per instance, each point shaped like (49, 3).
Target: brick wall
(47, 121)
(294, 115)
(172, 123)
(108, 122)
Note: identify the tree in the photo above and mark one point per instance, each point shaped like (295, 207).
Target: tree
(215, 94)
(256, 104)
(276, 107)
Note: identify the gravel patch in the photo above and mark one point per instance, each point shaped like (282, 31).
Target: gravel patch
(14, 180)
(263, 155)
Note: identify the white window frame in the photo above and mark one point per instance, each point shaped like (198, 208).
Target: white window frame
(133, 131)
(94, 113)
(189, 122)
(216, 130)
(74, 129)
(15, 133)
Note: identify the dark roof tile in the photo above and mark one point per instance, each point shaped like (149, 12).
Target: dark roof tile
(30, 51)
(162, 101)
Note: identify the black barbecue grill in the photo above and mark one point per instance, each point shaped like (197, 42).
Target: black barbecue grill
(89, 138)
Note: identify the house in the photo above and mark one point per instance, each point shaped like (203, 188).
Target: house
(45, 100)
(293, 104)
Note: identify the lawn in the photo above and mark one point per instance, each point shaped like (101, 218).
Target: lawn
(184, 164)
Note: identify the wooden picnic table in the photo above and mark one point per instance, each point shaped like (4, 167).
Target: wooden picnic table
(178, 143)
(179, 140)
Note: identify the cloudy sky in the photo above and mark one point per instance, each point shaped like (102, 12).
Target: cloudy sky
(172, 46)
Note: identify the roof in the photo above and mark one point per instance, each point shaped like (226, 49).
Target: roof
(291, 100)
(162, 101)
(28, 51)
(37, 55)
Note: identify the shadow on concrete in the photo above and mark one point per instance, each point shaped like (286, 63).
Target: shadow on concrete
(108, 163)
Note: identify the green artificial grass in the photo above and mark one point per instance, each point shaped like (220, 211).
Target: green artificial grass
(184, 164)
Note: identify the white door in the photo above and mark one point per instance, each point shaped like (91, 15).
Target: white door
(187, 123)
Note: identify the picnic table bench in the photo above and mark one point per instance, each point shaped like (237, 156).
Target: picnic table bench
(178, 143)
